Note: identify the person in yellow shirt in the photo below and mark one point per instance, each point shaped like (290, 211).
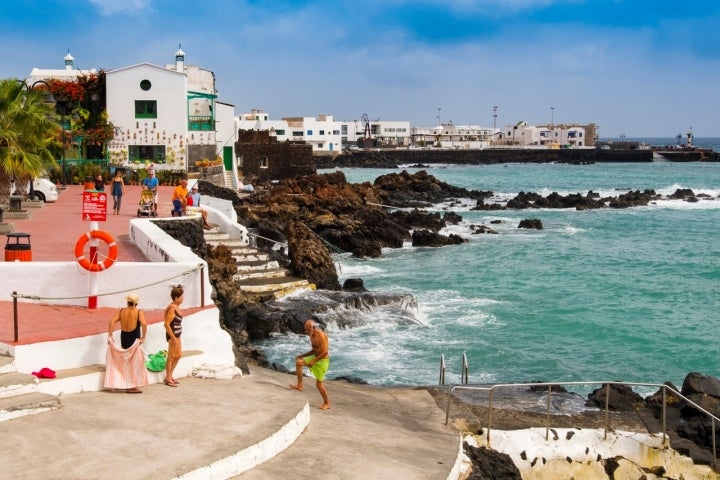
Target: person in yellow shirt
(179, 198)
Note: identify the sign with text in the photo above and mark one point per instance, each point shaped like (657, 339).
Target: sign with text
(94, 206)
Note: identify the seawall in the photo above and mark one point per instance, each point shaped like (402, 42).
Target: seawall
(391, 158)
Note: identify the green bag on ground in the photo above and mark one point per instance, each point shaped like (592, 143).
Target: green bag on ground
(156, 361)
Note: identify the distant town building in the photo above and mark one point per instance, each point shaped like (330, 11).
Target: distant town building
(449, 135)
(385, 132)
(549, 136)
(322, 133)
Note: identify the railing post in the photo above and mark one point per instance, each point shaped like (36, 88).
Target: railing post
(547, 421)
(15, 316)
(664, 415)
(202, 285)
(712, 419)
(441, 381)
(607, 408)
(464, 373)
(490, 401)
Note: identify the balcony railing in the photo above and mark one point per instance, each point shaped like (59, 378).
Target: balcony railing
(201, 123)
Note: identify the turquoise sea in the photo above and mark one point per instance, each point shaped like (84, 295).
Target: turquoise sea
(630, 294)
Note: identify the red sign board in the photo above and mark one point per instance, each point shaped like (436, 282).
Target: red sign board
(94, 206)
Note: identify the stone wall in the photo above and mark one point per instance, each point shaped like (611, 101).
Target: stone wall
(265, 159)
(391, 158)
(188, 231)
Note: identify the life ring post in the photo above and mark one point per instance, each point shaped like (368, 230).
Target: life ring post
(92, 264)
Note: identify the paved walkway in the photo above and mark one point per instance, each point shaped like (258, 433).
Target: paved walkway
(54, 230)
(370, 433)
(165, 432)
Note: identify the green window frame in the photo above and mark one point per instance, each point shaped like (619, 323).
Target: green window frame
(140, 153)
(145, 108)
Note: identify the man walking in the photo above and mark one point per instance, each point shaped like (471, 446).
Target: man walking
(317, 361)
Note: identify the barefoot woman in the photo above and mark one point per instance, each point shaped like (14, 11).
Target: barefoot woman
(317, 360)
(173, 330)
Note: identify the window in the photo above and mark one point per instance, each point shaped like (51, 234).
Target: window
(154, 153)
(297, 134)
(321, 145)
(321, 132)
(145, 85)
(280, 132)
(145, 109)
(309, 132)
(336, 132)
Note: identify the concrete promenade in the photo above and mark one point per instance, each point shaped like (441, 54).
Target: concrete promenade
(205, 428)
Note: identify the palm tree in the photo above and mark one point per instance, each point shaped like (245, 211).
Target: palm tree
(28, 131)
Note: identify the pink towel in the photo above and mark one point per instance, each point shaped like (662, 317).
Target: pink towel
(125, 368)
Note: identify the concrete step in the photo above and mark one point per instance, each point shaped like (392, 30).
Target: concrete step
(15, 383)
(7, 364)
(27, 404)
(256, 265)
(232, 244)
(267, 285)
(268, 273)
(216, 237)
(244, 256)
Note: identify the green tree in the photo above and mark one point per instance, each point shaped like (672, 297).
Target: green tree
(28, 133)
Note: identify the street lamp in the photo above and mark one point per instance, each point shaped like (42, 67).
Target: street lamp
(494, 122)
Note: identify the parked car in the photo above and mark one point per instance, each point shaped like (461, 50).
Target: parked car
(43, 190)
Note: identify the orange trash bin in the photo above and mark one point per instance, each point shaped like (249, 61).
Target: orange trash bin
(15, 251)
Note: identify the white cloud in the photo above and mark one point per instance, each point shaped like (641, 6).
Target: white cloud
(110, 7)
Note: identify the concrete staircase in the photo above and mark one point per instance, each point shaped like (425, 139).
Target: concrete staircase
(230, 180)
(19, 393)
(256, 272)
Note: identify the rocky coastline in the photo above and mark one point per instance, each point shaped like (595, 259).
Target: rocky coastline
(302, 221)
(393, 158)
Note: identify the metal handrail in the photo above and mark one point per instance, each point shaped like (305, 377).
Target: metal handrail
(491, 390)
(464, 373)
(442, 374)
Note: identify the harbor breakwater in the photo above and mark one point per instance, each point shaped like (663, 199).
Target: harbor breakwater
(392, 158)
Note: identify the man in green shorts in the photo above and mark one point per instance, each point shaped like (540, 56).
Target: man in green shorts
(317, 360)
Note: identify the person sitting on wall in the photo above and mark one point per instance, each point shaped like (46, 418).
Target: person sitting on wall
(193, 205)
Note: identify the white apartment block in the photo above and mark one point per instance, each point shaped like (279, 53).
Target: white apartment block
(323, 133)
(548, 136)
(386, 133)
(449, 135)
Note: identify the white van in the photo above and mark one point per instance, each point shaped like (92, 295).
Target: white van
(43, 190)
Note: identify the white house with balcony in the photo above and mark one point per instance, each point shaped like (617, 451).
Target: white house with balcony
(449, 135)
(168, 116)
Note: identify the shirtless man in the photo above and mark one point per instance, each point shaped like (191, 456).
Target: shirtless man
(317, 360)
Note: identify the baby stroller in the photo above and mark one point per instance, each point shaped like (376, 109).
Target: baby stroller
(146, 206)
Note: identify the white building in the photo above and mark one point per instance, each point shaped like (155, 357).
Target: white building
(548, 136)
(388, 133)
(168, 116)
(323, 133)
(69, 73)
(449, 135)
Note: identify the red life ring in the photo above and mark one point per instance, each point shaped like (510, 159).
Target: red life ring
(111, 256)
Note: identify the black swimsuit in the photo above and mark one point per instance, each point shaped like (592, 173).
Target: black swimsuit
(175, 325)
(128, 338)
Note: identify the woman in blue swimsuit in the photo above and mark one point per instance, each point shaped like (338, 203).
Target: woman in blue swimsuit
(173, 330)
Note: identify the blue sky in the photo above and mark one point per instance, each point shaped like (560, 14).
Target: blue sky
(638, 68)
